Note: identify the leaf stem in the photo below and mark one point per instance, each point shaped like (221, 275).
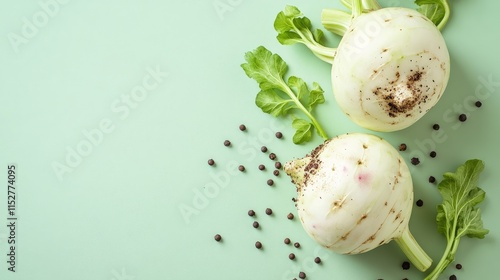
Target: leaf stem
(447, 12)
(413, 251)
(336, 21)
(448, 255)
(315, 122)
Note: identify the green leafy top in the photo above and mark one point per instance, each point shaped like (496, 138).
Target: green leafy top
(458, 215)
(293, 28)
(277, 96)
(438, 11)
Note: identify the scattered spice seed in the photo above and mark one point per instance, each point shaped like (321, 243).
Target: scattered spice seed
(296, 245)
(317, 260)
(241, 168)
(258, 245)
(453, 277)
(433, 154)
(458, 266)
(287, 241)
(255, 224)
(478, 104)
(270, 182)
(272, 156)
(432, 179)
(243, 127)
(269, 211)
(405, 265)
(420, 203)
(263, 149)
(290, 216)
(291, 256)
(462, 117)
(279, 135)
(262, 167)
(415, 161)
(435, 126)
(227, 143)
(402, 147)
(251, 213)
(211, 162)
(277, 165)
(302, 275)
(217, 237)
(276, 172)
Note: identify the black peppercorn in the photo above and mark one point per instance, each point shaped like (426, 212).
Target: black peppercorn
(241, 168)
(478, 104)
(405, 265)
(453, 277)
(211, 162)
(435, 126)
(262, 167)
(227, 143)
(217, 237)
(279, 135)
(269, 211)
(272, 156)
(432, 179)
(258, 245)
(243, 127)
(251, 213)
(270, 182)
(290, 216)
(420, 203)
(433, 154)
(296, 245)
(402, 147)
(458, 266)
(287, 241)
(302, 275)
(415, 161)
(462, 117)
(291, 256)
(263, 149)
(276, 172)
(255, 224)
(317, 260)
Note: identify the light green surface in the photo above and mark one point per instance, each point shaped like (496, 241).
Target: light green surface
(115, 214)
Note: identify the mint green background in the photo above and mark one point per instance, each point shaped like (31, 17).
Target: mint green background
(117, 215)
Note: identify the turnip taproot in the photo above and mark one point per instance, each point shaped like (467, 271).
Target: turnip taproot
(355, 193)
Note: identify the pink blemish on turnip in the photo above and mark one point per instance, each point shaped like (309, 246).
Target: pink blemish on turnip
(364, 179)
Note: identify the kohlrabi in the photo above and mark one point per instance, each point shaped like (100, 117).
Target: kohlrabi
(391, 65)
(355, 193)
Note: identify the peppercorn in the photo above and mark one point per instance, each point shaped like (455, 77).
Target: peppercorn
(279, 135)
(433, 154)
(287, 241)
(241, 168)
(258, 245)
(277, 165)
(291, 256)
(462, 117)
(296, 245)
(290, 216)
(302, 275)
(402, 147)
(263, 149)
(317, 260)
(272, 156)
(269, 211)
(243, 127)
(262, 167)
(415, 161)
(478, 104)
(251, 213)
(405, 265)
(453, 277)
(211, 162)
(432, 179)
(227, 143)
(276, 172)
(217, 237)
(420, 203)
(255, 224)
(435, 126)
(458, 266)
(270, 182)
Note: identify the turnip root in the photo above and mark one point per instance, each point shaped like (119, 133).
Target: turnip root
(355, 193)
